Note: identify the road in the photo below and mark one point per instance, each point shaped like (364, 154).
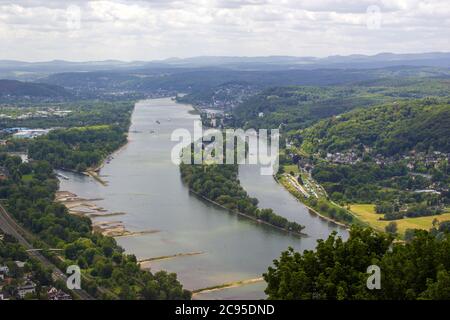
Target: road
(9, 226)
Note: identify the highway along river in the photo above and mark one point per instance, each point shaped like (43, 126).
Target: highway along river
(205, 245)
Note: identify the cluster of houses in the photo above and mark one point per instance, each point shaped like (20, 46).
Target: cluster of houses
(304, 164)
(26, 287)
(414, 160)
(228, 96)
(427, 160)
(350, 157)
(48, 112)
(25, 133)
(30, 133)
(215, 118)
(158, 93)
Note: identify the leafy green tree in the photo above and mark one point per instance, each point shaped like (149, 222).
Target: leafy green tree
(337, 269)
(391, 228)
(439, 289)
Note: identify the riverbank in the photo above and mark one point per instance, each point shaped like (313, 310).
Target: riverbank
(87, 208)
(146, 263)
(299, 234)
(227, 285)
(95, 172)
(314, 211)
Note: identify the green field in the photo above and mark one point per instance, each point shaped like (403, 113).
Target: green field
(366, 213)
(292, 167)
(27, 177)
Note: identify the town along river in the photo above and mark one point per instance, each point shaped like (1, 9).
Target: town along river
(212, 246)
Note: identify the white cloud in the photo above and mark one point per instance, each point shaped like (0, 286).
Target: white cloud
(145, 30)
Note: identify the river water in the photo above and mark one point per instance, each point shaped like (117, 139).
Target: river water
(144, 183)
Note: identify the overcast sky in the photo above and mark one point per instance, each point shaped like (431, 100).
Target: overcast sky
(157, 29)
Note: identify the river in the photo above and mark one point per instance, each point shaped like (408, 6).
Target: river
(144, 183)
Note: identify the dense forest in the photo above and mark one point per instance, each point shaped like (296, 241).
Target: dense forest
(82, 113)
(337, 269)
(77, 148)
(199, 79)
(299, 107)
(220, 184)
(388, 129)
(81, 140)
(29, 192)
(11, 90)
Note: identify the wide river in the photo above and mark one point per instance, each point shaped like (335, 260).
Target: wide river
(144, 183)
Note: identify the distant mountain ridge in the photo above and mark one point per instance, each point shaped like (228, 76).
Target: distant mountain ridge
(13, 69)
(441, 59)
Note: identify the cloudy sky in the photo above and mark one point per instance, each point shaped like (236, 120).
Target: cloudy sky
(36, 30)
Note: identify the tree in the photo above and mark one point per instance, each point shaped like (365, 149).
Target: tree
(439, 289)
(391, 228)
(336, 269)
(417, 269)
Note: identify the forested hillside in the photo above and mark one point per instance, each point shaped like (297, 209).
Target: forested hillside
(194, 80)
(299, 107)
(393, 155)
(389, 129)
(18, 89)
(77, 148)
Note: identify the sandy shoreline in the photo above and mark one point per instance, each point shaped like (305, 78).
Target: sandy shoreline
(86, 208)
(95, 172)
(229, 285)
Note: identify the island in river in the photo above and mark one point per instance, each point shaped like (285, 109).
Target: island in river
(208, 247)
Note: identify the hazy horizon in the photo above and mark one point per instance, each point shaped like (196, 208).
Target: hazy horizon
(227, 56)
(35, 30)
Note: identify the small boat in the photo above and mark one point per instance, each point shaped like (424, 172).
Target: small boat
(157, 121)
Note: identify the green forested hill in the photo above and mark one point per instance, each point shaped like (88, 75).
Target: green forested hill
(15, 88)
(388, 129)
(299, 107)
